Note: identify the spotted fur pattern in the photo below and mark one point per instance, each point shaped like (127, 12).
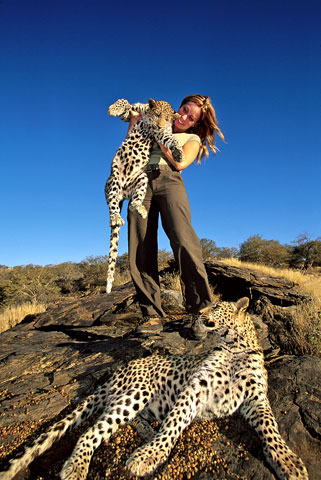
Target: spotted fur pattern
(128, 180)
(175, 390)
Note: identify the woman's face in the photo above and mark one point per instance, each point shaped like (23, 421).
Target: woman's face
(190, 115)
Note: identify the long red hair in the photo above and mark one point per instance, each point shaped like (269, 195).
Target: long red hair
(206, 127)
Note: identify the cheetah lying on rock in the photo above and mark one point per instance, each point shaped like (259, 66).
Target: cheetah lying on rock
(176, 389)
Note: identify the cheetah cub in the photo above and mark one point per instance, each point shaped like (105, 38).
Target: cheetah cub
(175, 390)
(128, 180)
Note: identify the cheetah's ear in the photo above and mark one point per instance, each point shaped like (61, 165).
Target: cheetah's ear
(151, 103)
(242, 304)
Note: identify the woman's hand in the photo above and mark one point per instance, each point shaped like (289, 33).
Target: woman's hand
(190, 150)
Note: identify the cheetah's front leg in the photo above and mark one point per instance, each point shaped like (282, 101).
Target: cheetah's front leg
(147, 458)
(285, 463)
(177, 152)
(120, 108)
(167, 139)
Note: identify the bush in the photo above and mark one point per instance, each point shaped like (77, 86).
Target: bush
(268, 252)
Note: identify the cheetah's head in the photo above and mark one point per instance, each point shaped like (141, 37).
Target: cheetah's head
(161, 113)
(225, 314)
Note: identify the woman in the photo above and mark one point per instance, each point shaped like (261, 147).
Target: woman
(166, 196)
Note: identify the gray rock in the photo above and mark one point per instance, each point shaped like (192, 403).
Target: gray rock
(236, 282)
(172, 300)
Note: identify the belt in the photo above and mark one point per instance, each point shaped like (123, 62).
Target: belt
(155, 167)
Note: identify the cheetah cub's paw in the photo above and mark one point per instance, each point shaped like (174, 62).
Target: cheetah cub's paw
(138, 208)
(142, 211)
(145, 460)
(119, 107)
(178, 155)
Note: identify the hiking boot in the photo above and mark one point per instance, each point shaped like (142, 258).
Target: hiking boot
(150, 325)
(198, 331)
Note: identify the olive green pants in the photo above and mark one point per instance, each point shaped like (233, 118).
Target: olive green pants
(166, 195)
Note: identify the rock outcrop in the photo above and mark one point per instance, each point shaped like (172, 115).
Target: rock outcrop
(53, 360)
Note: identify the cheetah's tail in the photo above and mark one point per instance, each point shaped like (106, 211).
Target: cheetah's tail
(44, 442)
(113, 250)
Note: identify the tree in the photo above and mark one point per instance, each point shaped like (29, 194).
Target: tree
(122, 263)
(209, 249)
(68, 276)
(94, 271)
(32, 284)
(226, 252)
(306, 252)
(268, 252)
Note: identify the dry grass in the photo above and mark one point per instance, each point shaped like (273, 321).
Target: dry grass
(306, 331)
(15, 314)
(172, 281)
(121, 277)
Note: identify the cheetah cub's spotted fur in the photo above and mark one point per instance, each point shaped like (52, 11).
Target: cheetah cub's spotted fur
(175, 390)
(128, 180)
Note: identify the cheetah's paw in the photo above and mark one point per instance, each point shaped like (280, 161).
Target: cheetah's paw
(74, 471)
(119, 107)
(116, 221)
(142, 211)
(178, 155)
(286, 463)
(139, 209)
(145, 460)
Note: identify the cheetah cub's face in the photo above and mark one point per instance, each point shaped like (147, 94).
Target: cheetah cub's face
(161, 113)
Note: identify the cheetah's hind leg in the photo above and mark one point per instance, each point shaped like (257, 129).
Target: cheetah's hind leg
(137, 195)
(77, 466)
(145, 459)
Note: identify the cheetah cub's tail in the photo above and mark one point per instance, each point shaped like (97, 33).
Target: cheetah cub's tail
(46, 440)
(113, 250)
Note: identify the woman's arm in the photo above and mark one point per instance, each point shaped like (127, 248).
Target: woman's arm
(134, 117)
(190, 151)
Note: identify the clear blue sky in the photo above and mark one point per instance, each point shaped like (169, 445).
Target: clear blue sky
(64, 61)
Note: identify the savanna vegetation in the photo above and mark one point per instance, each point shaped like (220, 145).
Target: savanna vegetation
(30, 289)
